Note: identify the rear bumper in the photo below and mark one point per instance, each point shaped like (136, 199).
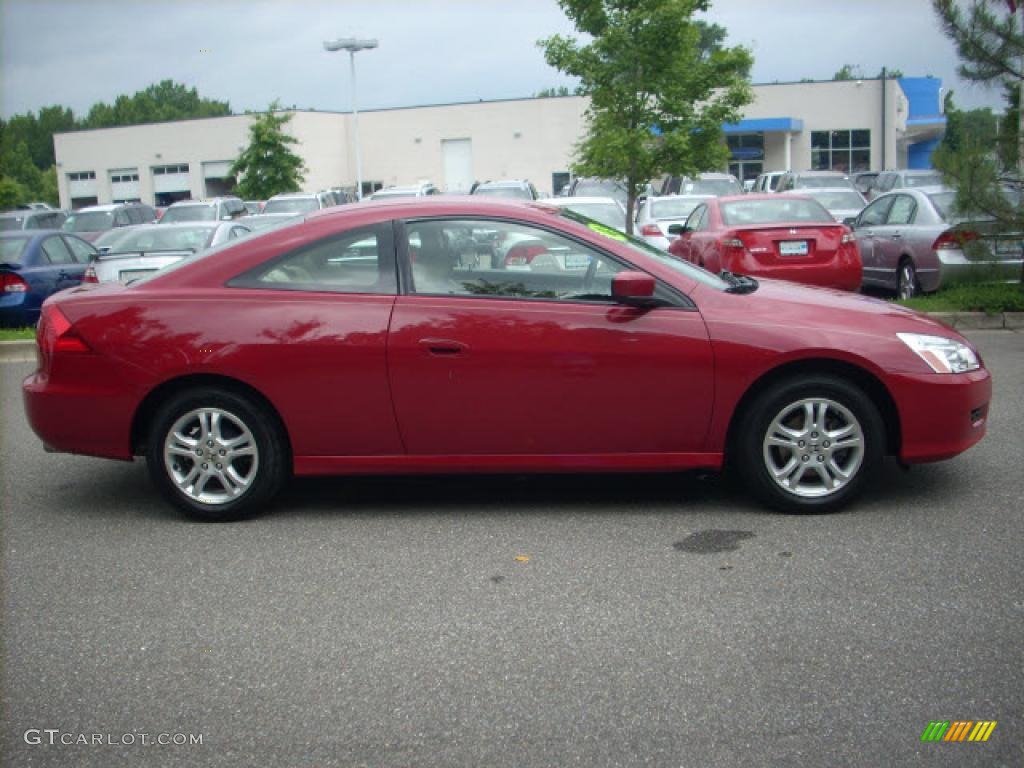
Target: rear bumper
(954, 267)
(941, 415)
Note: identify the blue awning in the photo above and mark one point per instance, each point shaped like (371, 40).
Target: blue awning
(765, 125)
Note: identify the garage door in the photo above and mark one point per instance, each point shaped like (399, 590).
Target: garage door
(458, 165)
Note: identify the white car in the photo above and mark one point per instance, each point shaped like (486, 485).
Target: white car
(132, 252)
(656, 214)
(299, 202)
(414, 190)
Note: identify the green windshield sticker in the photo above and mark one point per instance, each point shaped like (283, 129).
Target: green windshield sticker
(601, 229)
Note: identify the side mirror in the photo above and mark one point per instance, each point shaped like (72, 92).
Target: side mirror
(677, 229)
(851, 222)
(635, 289)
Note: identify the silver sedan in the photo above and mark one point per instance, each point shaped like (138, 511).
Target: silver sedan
(656, 214)
(129, 253)
(911, 242)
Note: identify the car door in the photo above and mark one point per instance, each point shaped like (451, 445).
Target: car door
(82, 253)
(889, 245)
(684, 247)
(539, 361)
(868, 222)
(64, 271)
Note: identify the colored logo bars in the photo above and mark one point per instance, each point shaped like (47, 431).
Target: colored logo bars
(958, 730)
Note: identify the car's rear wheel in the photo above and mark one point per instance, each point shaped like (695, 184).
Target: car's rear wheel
(215, 454)
(907, 286)
(810, 444)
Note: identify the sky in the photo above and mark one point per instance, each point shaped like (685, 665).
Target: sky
(248, 53)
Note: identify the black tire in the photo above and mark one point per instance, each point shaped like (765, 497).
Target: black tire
(239, 487)
(812, 457)
(907, 286)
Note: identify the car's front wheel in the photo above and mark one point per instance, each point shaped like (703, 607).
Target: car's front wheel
(809, 445)
(215, 454)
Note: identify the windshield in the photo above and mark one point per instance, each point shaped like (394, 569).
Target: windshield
(608, 214)
(292, 205)
(685, 268)
(743, 212)
(156, 238)
(672, 209)
(837, 200)
(516, 192)
(924, 180)
(11, 222)
(600, 188)
(189, 213)
(717, 187)
(90, 221)
(11, 249)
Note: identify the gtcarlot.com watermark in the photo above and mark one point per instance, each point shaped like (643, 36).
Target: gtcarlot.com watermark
(55, 737)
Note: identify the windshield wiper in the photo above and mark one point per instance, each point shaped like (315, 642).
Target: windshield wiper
(738, 283)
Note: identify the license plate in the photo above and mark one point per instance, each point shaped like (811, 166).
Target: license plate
(577, 261)
(793, 248)
(1007, 246)
(134, 274)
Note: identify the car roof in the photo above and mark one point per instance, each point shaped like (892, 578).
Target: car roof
(292, 195)
(565, 202)
(101, 208)
(503, 183)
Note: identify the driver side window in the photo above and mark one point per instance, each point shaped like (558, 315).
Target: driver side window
(485, 258)
(697, 218)
(875, 214)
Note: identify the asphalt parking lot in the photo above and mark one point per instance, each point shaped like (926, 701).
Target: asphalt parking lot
(516, 621)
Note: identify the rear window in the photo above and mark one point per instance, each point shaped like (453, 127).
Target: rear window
(818, 182)
(159, 238)
(90, 221)
(672, 209)
(717, 187)
(839, 200)
(11, 223)
(608, 214)
(11, 249)
(292, 205)
(597, 188)
(943, 202)
(520, 193)
(189, 213)
(742, 212)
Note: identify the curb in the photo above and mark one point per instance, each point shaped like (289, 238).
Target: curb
(18, 351)
(25, 351)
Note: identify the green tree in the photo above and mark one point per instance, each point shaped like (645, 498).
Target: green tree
(161, 102)
(657, 100)
(847, 72)
(987, 173)
(12, 193)
(267, 166)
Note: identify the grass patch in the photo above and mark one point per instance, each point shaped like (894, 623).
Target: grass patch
(17, 334)
(991, 298)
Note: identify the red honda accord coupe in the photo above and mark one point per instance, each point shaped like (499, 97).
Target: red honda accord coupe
(324, 348)
(781, 236)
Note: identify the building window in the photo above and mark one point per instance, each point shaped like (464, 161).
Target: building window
(82, 176)
(844, 151)
(160, 170)
(123, 176)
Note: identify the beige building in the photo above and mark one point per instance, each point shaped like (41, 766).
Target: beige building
(840, 125)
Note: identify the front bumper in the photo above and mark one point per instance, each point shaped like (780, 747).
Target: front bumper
(941, 415)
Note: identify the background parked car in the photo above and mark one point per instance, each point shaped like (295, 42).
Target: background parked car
(253, 207)
(718, 184)
(263, 221)
(787, 237)
(33, 266)
(89, 223)
(32, 218)
(132, 253)
(519, 189)
(887, 181)
(911, 241)
(863, 182)
(214, 209)
(842, 202)
(412, 190)
(767, 182)
(656, 214)
(813, 180)
(592, 187)
(299, 202)
(606, 210)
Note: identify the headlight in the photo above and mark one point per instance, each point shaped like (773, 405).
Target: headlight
(942, 355)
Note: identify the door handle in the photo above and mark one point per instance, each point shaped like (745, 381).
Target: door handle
(443, 347)
(896, 236)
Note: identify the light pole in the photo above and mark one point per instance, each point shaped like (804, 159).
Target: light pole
(352, 45)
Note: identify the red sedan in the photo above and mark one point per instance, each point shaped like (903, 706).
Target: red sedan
(785, 237)
(322, 348)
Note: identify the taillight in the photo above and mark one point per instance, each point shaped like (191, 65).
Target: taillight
(12, 283)
(650, 230)
(521, 255)
(953, 239)
(733, 243)
(848, 237)
(90, 275)
(56, 334)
